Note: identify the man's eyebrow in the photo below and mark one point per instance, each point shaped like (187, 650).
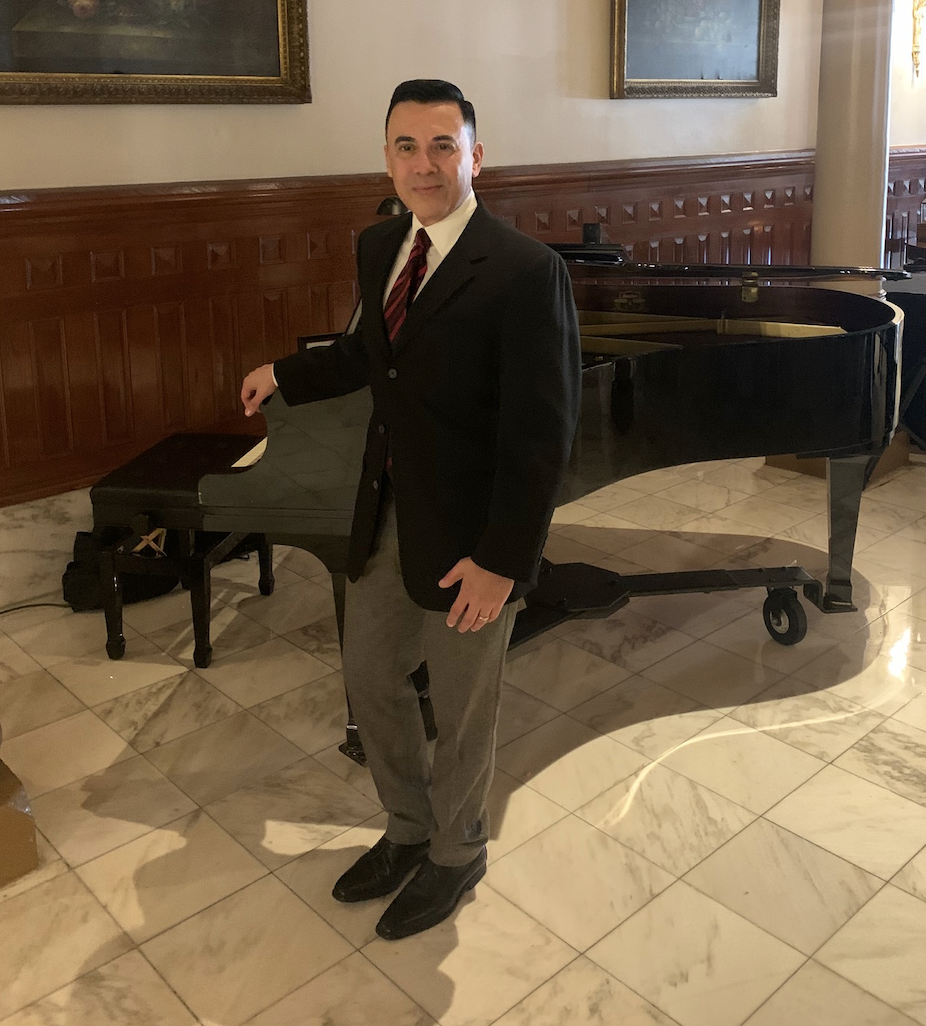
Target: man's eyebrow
(411, 139)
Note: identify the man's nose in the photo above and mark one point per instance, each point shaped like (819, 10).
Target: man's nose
(423, 163)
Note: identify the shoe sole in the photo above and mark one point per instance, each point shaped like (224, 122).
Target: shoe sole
(476, 877)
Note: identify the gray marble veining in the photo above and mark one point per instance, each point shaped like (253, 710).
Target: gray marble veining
(169, 709)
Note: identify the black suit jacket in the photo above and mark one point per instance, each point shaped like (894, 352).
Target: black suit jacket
(477, 403)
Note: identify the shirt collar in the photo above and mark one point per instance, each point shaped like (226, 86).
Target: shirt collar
(444, 234)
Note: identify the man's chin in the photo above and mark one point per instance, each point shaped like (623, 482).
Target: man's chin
(430, 209)
(430, 215)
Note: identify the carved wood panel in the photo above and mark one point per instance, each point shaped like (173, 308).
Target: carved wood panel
(906, 204)
(127, 314)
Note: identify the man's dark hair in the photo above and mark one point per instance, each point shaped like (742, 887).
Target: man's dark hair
(433, 90)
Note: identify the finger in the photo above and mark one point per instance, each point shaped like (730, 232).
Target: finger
(456, 611)
(258, 395)
(469, 618)
(483, 619)
(454, 574)
(249, 393)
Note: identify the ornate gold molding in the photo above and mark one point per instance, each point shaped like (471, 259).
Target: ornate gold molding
(919, 17)
(152, 51)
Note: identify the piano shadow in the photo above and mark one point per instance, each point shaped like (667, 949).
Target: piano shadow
(665, 674)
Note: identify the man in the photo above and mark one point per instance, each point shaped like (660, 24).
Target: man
(469, 342)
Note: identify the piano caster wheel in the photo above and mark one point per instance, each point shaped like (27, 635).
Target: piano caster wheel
(115, 649)
(202, 657)
(784, 617)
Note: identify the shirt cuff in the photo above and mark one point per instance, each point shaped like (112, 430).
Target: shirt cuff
(274, 376)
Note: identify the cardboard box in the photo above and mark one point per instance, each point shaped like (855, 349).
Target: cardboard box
(18, 852)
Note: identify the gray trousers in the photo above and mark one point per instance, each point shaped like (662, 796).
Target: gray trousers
(386, 637)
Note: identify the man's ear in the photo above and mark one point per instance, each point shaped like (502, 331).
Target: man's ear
(386, 158)
(478, 154)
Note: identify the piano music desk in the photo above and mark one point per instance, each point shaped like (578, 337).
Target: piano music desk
(159, 490)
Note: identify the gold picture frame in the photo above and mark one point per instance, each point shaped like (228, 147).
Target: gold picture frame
(153, 51)
(694, 48)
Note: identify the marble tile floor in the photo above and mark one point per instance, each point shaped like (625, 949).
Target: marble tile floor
(690, 823)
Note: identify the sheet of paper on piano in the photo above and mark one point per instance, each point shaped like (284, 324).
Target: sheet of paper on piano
(252, 455)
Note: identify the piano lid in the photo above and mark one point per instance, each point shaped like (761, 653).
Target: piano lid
(614, 260)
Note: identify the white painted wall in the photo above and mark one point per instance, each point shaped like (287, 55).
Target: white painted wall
(536, 70)
(908, 94)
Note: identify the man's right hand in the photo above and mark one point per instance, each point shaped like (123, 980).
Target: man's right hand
(256, 387)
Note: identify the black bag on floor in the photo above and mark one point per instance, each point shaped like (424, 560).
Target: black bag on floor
(81, 580)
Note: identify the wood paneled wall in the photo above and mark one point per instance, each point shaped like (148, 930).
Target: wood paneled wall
(906, 203)
(127, 314)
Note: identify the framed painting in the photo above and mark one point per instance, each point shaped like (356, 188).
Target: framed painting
(688, 48)
(153, 51)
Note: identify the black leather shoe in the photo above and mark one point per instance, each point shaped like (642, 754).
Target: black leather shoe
(379, 871)
(429, 897)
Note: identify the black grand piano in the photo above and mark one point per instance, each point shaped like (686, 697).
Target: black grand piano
(672, 374)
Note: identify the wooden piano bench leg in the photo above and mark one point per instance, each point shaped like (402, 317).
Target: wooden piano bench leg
(186, 546)
(111, 588)
(265, 559)
(200, 601)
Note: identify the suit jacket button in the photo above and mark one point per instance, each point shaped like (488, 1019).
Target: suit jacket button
(382, 429)
(376, 486)
(392, 373)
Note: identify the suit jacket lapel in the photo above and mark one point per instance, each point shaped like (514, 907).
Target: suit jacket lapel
(456, 270)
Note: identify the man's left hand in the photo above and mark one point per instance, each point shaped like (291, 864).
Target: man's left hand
(482, 595)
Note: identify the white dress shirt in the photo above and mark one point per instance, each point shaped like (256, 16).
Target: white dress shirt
(443, 236)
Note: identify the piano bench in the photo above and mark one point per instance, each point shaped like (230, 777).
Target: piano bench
(156, 492)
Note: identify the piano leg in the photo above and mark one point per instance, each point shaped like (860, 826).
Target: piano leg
(352, 746)
(265, 560)
(339, 587)
(200, 579)
(845, 478)
(111, 588)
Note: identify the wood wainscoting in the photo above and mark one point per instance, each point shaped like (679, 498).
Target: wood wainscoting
(131, 313)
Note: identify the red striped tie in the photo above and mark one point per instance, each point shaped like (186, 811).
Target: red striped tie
(406, 285)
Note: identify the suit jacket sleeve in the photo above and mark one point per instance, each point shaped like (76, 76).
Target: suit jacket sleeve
(324, 372)
(539, 385)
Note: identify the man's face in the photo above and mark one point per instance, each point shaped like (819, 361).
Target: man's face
(431, 158)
